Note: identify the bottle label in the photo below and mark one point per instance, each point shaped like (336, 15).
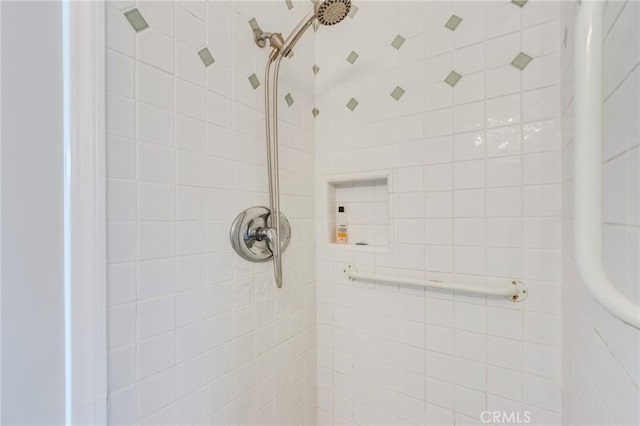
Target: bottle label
(341, 234)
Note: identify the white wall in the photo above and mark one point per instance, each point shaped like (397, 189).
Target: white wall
(32, 320)
(197, 335)
(600, 359)
(476, 199)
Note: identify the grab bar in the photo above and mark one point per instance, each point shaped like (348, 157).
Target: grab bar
(588, 206)
(515, 290)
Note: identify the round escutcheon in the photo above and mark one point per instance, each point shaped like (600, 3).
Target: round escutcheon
(248, 234)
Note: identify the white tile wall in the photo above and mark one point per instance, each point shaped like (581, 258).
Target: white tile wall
(196, 335)
(600, 369)
(483, 193)
(478, 195)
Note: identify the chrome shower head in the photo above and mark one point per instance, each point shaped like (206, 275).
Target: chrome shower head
(331, 12)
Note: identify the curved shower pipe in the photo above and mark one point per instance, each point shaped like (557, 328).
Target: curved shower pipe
(588, 143)
(272, 162)
(281, 49)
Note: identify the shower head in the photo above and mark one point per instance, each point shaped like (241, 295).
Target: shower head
(327, 12)
(331, 12)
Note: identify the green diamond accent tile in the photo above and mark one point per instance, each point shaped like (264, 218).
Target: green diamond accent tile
(521, 61)
(353, 11)
(397, 93)
(353, 57)
(205, 55)
(398, 41)
(352, 104)
(289, 99)
(315, 69)
(453, 78)
(255, 83)
(315, 112)
(519, 3)
(136, 20)
(315, 26)
(453, 22)
(289, 4)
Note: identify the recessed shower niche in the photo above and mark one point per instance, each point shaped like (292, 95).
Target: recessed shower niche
(366, 201)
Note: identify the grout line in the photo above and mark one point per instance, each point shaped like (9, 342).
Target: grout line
(484, 219)
(617, 87)
(175, 197)
(207, 285)
(522, 208)
(454, 348)
(615, 20)
(136, 85)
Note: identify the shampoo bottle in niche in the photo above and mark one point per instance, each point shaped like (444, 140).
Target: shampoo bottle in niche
(341, 226)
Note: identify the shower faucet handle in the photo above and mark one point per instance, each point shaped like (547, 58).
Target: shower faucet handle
(269, 234)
